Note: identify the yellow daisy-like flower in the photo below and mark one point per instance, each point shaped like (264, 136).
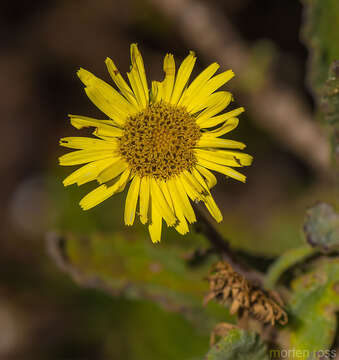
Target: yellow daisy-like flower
(159, 140)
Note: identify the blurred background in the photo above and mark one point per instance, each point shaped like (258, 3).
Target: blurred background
(43, 312)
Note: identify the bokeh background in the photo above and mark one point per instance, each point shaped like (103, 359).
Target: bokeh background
(43, 312)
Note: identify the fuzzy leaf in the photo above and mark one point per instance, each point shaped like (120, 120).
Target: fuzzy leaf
(322, 227)
(314, 301)
(238, 344)
(134, 268)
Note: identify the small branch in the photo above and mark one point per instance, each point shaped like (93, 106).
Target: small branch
(223, 249)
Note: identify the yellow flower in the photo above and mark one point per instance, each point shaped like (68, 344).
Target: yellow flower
(159, 140)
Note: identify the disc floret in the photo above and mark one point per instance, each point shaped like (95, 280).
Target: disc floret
(159, 141)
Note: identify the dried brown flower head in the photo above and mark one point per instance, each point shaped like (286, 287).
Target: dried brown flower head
(228, 286)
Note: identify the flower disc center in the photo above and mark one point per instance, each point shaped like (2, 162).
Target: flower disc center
(159, 141)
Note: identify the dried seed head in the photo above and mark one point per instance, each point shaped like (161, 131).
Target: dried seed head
(159, 141)
(227, 286)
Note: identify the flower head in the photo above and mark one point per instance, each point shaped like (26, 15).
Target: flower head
(159, 140)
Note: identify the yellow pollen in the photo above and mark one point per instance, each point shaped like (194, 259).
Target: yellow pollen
(159, 141)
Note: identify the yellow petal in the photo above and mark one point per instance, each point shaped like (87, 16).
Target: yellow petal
(191, 191)
(105, 97)
(138, 90)
(183, 75)
(211, 206)
(211, 180)
(103, 192)
(120, 82)
(112, 171)
(212, 85)
(162, 204)
(216, 82)
(228, 126)
(103, 127)
(154, 227)
(168, 83)
(79, 142)
(200, 179)
(179, 195)
(164, 188)
(197, 84)
(138, 62)
(157, 91)
(224, 157)
(88, 172)
(216, 103)
(193, 185)
(106, 138)
(144, 198)
(187, 207)
(210, 142)
(132, 200)
(84, 156)
(222, 169)
(137, 77)
(216, 120)
(182, 226)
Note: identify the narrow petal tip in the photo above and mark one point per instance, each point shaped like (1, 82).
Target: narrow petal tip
(84, 75)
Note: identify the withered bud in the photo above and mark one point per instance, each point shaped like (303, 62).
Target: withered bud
(244, 298)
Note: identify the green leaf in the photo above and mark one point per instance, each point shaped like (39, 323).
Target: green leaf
(286, 261)
(321, 35)
(238, 344)
(123, 264)
(321, 227)
(314, 301)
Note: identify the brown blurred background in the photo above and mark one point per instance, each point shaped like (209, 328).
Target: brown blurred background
(42, 313)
